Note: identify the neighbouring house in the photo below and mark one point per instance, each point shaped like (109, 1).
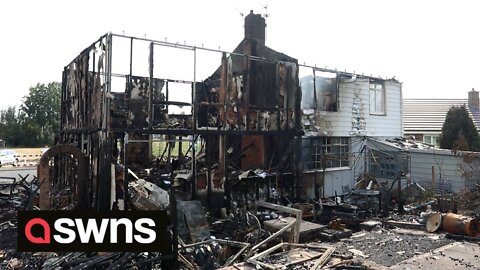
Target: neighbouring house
(424, 118)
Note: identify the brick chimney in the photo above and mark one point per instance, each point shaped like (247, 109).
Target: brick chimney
(255, 27)
(473, 100)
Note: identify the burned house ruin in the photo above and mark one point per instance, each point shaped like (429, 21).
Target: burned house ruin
(260, 114)
(149, 124)
(245, 116)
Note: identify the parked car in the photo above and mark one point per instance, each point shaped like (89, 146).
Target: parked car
(8, 157)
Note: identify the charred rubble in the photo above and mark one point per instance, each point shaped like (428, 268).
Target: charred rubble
(229, 165)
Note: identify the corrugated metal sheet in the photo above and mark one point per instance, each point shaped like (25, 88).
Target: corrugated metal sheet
(428, 115)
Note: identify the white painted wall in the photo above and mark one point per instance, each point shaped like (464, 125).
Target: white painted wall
(335, 179)
(340, 123)
(443, 161)
(421, 161)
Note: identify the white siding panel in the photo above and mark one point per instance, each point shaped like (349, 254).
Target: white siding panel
(446, 166)
(340, 125)
(388, 125)
(334, 180)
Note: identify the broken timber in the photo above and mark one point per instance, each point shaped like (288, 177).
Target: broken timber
(296, 212)
(322, 256)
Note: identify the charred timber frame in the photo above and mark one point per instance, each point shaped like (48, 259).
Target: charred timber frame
(96, 119)
(88, 103)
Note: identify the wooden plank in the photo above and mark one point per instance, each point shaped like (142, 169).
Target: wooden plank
(239, 266)
(307, 232)
(266, 252)
(271, 237)
(407, 225)
(323, 259)
(293, 211)
(305, 250)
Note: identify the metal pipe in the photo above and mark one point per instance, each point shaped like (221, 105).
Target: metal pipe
(150, 90)
(433, 179)
(173, 218)
(247, 87)
(125, 171)
(209, 172)
(315, 101)
(194, 119)
(189, 47)
(108, 83)
(255, 58)
(105, 134)
(278, 106)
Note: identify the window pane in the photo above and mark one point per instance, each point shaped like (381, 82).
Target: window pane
(326, 89)
(379, 101)
(325, 152)
(306, 84)
(372, 101)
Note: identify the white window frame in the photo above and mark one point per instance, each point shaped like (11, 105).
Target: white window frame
(336, 150)
(436, 144)
(377, 98)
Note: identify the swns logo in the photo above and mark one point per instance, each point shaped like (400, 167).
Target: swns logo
(92, 231)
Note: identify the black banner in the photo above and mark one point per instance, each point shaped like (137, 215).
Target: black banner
(92, 231)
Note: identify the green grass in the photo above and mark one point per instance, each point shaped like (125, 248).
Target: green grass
(159, 147)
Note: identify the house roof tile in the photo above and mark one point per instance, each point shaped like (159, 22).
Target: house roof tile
(428, 115)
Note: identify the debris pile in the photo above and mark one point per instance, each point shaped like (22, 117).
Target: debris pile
(469, 201)
(390, 246)
(14, 196)
(148, 196)
(335, 233)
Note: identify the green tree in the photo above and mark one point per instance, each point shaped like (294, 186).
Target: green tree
(10, 126)
(459, 131)
(40, 113)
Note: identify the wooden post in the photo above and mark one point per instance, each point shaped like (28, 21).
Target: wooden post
(433, 179)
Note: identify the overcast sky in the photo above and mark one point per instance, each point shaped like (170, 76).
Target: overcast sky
(433, 47)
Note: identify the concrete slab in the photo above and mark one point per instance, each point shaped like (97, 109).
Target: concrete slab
(308, 230)
(458, 255)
